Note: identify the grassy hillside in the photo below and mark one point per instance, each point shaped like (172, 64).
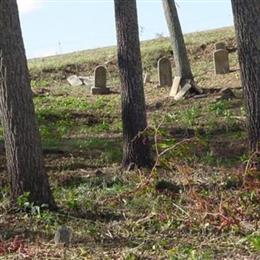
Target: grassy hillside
(200, 202)
(200, 46)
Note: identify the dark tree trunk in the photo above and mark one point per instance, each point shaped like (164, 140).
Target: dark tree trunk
(247, 25)
(22, 141)
(136, 148)
(182, 63)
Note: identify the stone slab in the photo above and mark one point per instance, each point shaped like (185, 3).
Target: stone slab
(88, 81)
(74, 81)
(183, 91)
(175, 86)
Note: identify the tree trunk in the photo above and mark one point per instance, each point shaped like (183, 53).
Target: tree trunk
(247, 25)
(22, 141)
(136, 148)
(182, 63)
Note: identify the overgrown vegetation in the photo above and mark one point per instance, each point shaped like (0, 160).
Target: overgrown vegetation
(201, 201)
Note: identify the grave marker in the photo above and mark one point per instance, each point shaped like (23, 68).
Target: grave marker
(100, 81)
(165, 72)
(220, 46)
(221, 61)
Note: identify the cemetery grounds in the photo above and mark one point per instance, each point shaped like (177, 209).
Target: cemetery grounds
(202, 201)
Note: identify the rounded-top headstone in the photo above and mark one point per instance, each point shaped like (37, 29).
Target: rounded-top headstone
(220, 46)
(100, 77)
(221, 62)
(165, 72)
(62, 236)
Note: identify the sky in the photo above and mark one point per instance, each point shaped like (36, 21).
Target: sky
(59, 26)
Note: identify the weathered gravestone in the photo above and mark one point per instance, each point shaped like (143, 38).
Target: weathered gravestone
(62, 236)
(74, 81)
(100, 81)
(165, 72)
(220, 46)
(221, 61)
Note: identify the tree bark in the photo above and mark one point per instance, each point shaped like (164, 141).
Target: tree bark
(21, 135)
(182, 63)
(136, 147)
(247, 25)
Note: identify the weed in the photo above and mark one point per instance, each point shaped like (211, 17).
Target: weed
(255, 242)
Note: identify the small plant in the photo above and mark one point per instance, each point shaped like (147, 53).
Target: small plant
(23, 200)
(24, 203)
(190, 115)
(72, 200)
(219, 108)
(40, 83)
(255, 241)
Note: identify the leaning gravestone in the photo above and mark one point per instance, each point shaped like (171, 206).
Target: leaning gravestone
(221, 61)
(183, 91)
(175, 86)
(220, 46)
(100, 81)
(165, 72)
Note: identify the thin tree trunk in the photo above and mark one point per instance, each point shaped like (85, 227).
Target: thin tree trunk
(22, 141)
(247, 25)
(182, 63)
(136, 148)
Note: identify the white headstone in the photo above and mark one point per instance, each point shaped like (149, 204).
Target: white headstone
(74, 81)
